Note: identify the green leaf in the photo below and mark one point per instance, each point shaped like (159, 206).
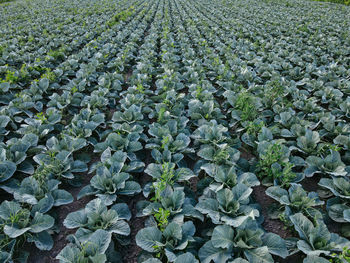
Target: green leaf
(347, 215)
(152, 260)
(43, 205)
(249, 179)
(224, 196)
(188, 229)
(222, 237)
(241, 192)
(336, 212)
(184, 174)
(99, 258)
(302, 225)
(239, 260)
(314, 259)
(42, 240)
(7, 169)
(14, 231)
(75, 219)
(44, 84)
(209, 253)
(206, 153)
(210, 207)
(258, 255)
(275, 244)
(186, 258)
(154, 170)
(173, 230)
(62, 197)
(102, 239)
(307, 249)
(276, 192)
(121, 228)
(9, 208)
(148, 237)
(130, 188)
(68, 254)
(4, 120)
(122, 210)
(86, 190)
(41, 222)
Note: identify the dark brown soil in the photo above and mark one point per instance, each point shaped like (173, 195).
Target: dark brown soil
(246, 154)
(5, 196)
(127, 76)
(60, 238)
(131, 252)
(310, 184)
(193, 184)
(296, 258)
(62, 211)
(270, 225)
(274, 225)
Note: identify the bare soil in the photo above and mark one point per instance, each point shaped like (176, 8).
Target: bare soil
(62, 211)
(270, 225)
(131, 252)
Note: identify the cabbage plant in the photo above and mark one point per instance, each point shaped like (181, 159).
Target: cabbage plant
(315, 239)
(296, 200)
(168, 244)
(96, 216)
(108, 184)
(91, 250)
(228, 206)
(21, 225)
(247, 241)
(338, 207)
(330, 164)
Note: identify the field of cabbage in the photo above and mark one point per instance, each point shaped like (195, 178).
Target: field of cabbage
(186, 131)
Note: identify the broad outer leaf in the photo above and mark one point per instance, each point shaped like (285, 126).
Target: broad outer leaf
(68, 254)
(173, 230)
(152, 260)
(8, 208)
(75, 219)
(307, 249)
(347, 215)
(258, 255)
(14, 232)
(130, 188)
(239, 260)
(275, 244)
(41, 222)
(209, 253)
(102, 239)
(62, 197)
(42, 240)
(7, 169)
(314, 259)
(186, 258)
(276, 192)
(122, 210)
(302, 225)
(98, 258)
(148, 237)
(222, 237)
(121, 228)
(86, 190)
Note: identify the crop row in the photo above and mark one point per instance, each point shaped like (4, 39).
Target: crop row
(191, 106)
